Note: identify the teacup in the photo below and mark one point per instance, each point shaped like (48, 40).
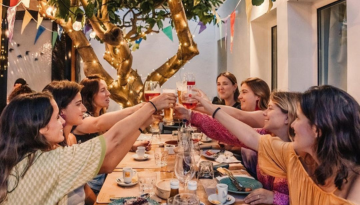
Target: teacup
(140, 152)
(128, 174)
(170, 149)
(222, 192)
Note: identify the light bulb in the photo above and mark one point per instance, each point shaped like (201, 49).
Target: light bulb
(92, 34)
(77, 26)
(49, 10)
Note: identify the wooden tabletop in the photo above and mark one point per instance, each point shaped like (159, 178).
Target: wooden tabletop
(110, 188)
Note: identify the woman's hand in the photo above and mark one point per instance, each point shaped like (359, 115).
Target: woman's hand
(260, 196)
(181, 112)
(205, 102)
(137, 144)
(165, 100)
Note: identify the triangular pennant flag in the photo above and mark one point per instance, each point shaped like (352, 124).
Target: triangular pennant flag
(59, 30)
(87, 28)
(39, 32)
(220, 27)
(196, 2)
(202, 27)
(226, 29)
(248, 9)
(232, 22)
(168, 32)
(270, 5)
(13, 2)
(11, 13)
(39, 20)
(26, 20)
(218, 19)
(26, 3)
(54, 37)
(138, 41)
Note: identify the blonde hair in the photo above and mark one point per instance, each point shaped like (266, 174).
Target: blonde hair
(260, 89)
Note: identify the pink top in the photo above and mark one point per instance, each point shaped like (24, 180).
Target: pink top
(215, 130)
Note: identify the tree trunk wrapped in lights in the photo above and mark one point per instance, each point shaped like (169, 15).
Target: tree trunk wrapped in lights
(127, 89)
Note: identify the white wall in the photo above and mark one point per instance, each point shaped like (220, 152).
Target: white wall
(36, 73)
(157, 48)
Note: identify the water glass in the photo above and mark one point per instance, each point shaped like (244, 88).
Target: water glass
(206, 170)
(147, 182)
(186, 199)
(160, 157)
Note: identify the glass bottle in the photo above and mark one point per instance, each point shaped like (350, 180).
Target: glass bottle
(174, 187)
(192, 187)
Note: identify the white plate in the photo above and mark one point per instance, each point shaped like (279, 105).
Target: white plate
(213, 197)
(206, 140)
(203, 153)
(121, 182)
(136, 157)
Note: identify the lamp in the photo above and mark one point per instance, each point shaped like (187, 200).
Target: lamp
(77, 24)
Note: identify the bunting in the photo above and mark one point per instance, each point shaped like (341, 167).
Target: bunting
(59, 31)
(54, 37)
(26, 20)
(248, 9)
(26, 3)
(232, 22)
(168, 32)
(39, 20)
(11, 13)
(196, 2)
(13, 2)
(202, 27)
(39, 32)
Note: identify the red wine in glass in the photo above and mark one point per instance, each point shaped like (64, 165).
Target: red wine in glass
(189, 105)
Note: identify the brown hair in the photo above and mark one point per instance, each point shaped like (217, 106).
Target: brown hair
(23, 89)
(91, 88)
(233, 80)
(260, 89)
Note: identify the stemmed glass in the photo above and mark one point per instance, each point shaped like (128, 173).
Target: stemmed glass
(185, 167)
(152, 89)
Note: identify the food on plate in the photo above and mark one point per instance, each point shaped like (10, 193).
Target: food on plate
(215, 202)
(136, 201)
(210, 153)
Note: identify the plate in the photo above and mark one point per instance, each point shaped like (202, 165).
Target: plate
(245, 181)
(121, 182)
(213, 197)
(121, 201)
(206, 140)
(136, 157)
(214, 156)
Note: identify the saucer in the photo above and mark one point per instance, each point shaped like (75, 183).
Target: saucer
(136, 157)
(121, 182)
(213, 198)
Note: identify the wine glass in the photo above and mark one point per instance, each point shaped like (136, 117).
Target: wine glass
(185, 167)
(186, 199)
(152, 89)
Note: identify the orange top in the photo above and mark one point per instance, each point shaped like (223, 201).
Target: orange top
(278, 158)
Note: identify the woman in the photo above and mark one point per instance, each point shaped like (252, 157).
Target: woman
(33, 172)
(277, 118)
(322, 165)
(228, 90)
(21, 89)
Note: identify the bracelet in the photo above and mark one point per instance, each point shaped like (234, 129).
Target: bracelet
(154, 106)
(217, 109)
(141, 131)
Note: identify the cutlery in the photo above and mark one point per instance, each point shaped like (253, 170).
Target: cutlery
(234, 181)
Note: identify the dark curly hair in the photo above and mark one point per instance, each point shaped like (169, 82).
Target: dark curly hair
(91, 88)
(336, 116)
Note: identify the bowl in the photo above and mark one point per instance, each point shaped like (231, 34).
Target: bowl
(163, 188)
(171, 142)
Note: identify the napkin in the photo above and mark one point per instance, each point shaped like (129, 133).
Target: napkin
(227, 157)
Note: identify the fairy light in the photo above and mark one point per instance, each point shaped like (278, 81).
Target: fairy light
(49, 11)
(92, 34)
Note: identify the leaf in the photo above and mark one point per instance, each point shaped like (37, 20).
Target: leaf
(89, 10)
(63, 8)
(112, 15)
(257, 2)
(159, 24)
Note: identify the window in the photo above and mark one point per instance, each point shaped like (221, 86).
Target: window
(274, 67)
(332, 45)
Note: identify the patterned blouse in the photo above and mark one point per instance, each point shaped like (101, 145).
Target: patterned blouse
(215, 130)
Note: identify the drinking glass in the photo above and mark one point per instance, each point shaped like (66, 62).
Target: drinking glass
(180, 86)
(152, 89)
(147, 182)
(186, 199)
(168, 112)
(185, 167)
(206, 170)
(160, 157)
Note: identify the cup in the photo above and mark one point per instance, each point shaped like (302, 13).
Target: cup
(168, 112)
(206, 170)
(147, 182)
(170, 149)
(185, 199)
(222, 192)
(140, 152)
(160, 157)
(128, 174)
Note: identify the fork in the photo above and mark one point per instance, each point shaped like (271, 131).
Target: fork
(237, 184)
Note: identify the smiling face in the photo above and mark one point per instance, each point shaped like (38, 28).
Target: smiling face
(225, 88)
(305, 134)
(53, 131)
(73, 113)
(247, 98)
(102, 97)
(275, 119)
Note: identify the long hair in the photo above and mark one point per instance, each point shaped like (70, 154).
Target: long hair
(287, 102)
(233, 81)
(91, 88)
(260, 89)
(336, 116)
(20, 137)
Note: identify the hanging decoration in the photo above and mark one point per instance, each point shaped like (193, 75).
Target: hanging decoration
(59, 31)
(202, 27)
(26, 20)
(26, 3)
(232, 22)
(11, 13)
(137, 44)
(39, 32)
(54, 37)
(13, 2)
(39, 20)
(168, 32)
(248, 9)
(196, 2)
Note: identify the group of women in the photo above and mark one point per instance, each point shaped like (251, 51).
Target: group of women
(303, 147)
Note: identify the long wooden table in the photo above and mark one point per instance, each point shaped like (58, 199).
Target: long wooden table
(110, 188)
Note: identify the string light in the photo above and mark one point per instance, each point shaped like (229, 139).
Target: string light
(77, 24)
(92, 34)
